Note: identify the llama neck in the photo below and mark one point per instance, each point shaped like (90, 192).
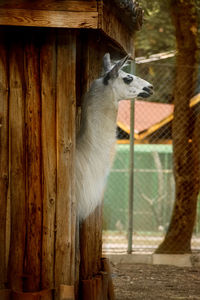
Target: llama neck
(98, 126)
(94, 146)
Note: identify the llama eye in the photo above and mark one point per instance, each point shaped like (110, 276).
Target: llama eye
(128, 79)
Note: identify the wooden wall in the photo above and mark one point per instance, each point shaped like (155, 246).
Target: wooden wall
(37, 142)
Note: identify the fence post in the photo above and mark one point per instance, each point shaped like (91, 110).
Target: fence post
(131, 170)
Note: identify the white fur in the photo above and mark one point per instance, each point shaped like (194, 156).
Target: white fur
(96, 139)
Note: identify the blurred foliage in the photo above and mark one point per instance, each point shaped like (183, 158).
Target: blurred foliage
(161, 74)
(157, 34)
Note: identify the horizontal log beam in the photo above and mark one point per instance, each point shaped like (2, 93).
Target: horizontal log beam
(48, 18)
(65, 5)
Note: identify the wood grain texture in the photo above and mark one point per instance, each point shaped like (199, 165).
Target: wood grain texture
(65, 114)
(49, 164)
(91, 245)
(32, 265)
(4, 157)
(45, 18)
(83, 6)
(86, 254)
(17, 163)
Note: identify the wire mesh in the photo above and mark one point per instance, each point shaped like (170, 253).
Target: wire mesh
(154, 185)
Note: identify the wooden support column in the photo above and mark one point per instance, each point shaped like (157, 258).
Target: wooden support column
(17, 162)
(65, 116)
(4, 158)
(32, 264)
(49, 164)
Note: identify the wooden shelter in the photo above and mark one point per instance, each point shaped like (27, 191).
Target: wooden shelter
(50, 51)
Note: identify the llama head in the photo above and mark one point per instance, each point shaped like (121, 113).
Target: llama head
(124, 85)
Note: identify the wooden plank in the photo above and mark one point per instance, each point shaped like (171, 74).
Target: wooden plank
(104, 276)
(81, 6)
(86, 246)
(44, 18)
(110, 24)
(66, 292)
(77, 259)
(5, 294)
(90, 246)
(99, 287)
(98, 236)
(87, 290)
(32, 266)
(107, 269)
(17, 162)
(4, 152)
(48, 97)
(65, 115)
(41, 295)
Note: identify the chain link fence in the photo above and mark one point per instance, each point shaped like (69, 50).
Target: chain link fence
(153, 180)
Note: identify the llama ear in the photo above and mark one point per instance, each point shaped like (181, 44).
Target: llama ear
(114, 71)
(120, 63)
(106, 63)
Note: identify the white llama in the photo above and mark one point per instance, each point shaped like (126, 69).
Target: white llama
(96, 139)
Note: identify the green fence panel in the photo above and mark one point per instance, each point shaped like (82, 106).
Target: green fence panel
(153, 189)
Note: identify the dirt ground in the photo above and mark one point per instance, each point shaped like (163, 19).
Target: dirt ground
(155, 282)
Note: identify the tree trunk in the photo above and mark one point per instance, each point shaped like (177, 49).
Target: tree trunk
(186, 141)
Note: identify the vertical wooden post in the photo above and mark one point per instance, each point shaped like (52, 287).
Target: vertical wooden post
(65, 114)
(48, 98)
(32, 265)
(4, 153)
(107, 269)
(17, 163)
